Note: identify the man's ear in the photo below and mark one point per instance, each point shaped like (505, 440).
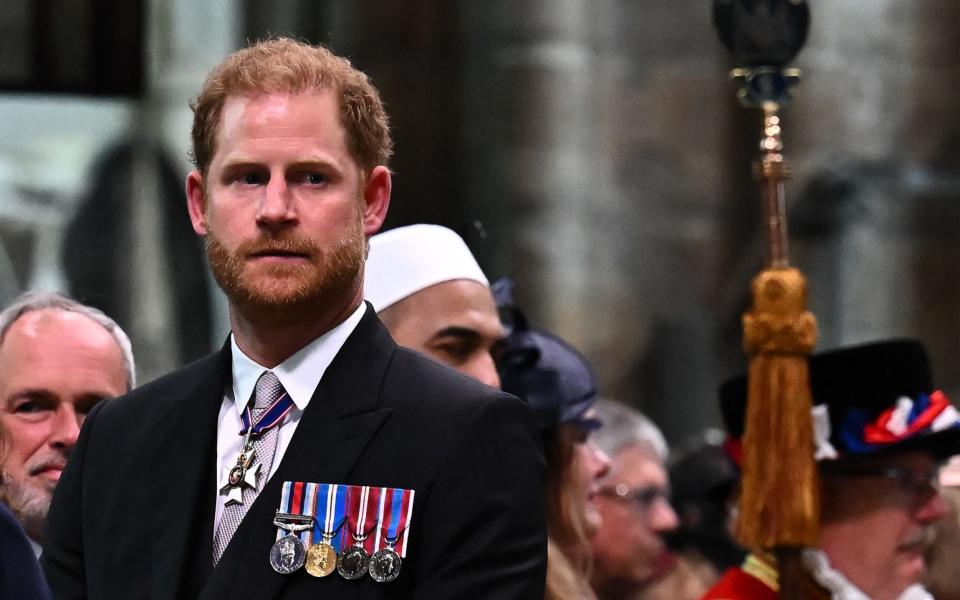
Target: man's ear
(196, 202)
(376, 199)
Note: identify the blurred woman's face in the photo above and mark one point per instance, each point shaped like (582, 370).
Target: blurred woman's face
(591, 464)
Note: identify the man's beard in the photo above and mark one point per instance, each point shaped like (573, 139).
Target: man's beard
(29, 503)
(281, 294)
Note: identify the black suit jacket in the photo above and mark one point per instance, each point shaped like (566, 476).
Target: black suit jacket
(19, 573)
(133, 513)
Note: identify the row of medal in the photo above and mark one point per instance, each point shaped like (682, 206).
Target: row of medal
(354, 530)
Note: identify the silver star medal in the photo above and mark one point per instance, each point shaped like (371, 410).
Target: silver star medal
(242, 474)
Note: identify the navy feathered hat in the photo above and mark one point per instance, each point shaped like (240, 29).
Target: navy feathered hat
(868, 399)
(543, 370)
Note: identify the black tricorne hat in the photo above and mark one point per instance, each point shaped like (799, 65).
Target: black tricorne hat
(868, 399)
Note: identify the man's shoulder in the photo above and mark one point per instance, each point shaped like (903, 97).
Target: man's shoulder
(159, 395)
(417, 382)
(758, 578)
(737, 584)
(434, 407)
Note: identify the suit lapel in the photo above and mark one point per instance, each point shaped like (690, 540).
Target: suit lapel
(343, 416)
(184, 481)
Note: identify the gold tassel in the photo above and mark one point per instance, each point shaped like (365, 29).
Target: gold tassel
(779, 503)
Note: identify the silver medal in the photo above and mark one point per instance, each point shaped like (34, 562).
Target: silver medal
(287, 555)
(385, 565)
(353, 562)
(241, 475)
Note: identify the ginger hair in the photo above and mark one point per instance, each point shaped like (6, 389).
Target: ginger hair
(287, 66)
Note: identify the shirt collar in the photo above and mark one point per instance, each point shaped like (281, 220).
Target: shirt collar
(300, 373)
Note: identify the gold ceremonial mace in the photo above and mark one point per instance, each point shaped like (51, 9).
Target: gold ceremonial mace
(779, 497)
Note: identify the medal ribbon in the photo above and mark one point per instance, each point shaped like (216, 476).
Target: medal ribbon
(329, 506)
(337, 517)
(268, 418)
(295, 499)
(309, 508)
(396, 505)
(362, 511)
(351, 506)
(406, 514)
(319, 524)
(371, 517)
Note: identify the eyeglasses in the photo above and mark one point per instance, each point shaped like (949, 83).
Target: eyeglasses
(919, 486)
(642, 497)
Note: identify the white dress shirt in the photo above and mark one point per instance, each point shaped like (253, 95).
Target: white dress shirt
(300, 374)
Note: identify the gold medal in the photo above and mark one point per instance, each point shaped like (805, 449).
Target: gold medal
(321, 559)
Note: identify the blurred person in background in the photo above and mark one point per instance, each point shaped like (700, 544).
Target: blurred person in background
(943, 579)
(704, 479)
(629, 550)
(559, 384)
(58, 358)
(880, 430)
(431, 294)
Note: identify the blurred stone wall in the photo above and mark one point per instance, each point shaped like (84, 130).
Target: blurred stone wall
(91, 200)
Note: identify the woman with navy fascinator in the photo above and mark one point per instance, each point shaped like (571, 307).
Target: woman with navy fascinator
(559, 385)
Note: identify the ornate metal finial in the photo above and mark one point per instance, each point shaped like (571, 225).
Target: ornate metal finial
(764, 35)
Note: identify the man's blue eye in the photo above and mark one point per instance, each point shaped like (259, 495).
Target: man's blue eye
(315, 179)
(251, 179)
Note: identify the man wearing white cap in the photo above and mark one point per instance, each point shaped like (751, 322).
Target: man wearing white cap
(429, 291)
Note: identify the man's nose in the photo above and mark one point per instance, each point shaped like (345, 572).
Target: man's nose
(933, 509)
(66, 427)
(277, 205)
(662, 517)
(484, 370)
(600, 460)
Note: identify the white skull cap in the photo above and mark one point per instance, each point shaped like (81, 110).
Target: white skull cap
(405, 260)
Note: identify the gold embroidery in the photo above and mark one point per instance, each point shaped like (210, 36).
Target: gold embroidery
(757, 567)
